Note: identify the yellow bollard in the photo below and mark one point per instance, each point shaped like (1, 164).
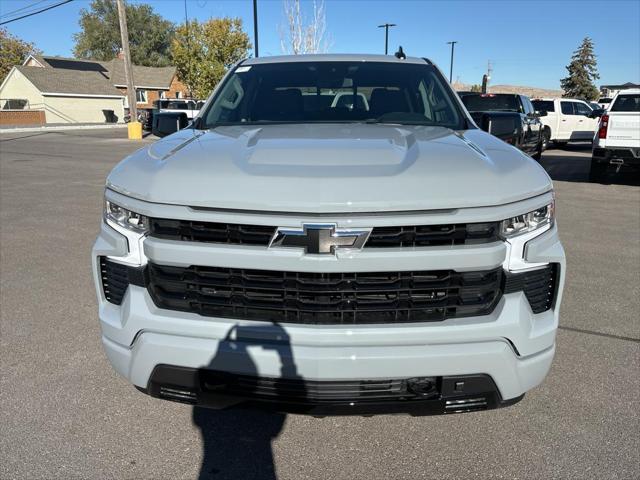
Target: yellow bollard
(135, 130)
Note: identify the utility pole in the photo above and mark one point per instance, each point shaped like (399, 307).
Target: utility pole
(255, 27)
(386, 35)
(453, 44)
(128, 70)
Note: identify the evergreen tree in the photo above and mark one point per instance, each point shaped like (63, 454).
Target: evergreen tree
(583, 70)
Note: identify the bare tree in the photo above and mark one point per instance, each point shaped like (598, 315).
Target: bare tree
(298, 37)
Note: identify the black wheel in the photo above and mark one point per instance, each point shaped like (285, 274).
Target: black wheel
(598, 172)
(546, 137)
(538, 155)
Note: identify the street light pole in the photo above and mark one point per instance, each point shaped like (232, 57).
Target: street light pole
(453, 44)
(386, 35)
(255, 27)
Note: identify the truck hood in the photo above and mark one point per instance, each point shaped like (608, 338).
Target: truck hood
(330, 168)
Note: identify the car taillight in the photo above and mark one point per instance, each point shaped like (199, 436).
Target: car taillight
(602, 128)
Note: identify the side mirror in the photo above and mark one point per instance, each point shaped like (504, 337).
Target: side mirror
(166, 123)
(598, 112)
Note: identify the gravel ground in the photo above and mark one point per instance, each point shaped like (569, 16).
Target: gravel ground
(66, 414)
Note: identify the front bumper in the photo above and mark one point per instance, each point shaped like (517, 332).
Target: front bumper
(512, 346)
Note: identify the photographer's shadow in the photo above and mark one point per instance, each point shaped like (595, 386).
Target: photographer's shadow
(237, 442)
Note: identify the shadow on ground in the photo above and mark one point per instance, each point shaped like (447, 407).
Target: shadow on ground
(572, 163)
(237, 443)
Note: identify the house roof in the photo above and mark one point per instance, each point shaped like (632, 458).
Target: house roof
(92, 77)
(72, 82)
(156, 77)
(624, 85)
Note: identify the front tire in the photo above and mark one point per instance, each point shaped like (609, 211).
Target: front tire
(598, 171)
(546, 138)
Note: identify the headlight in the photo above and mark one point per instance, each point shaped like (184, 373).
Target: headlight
(125, 218)
(528, 222)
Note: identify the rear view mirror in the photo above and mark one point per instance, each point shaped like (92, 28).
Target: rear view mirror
(166, 123)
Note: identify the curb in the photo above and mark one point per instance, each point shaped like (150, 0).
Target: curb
(54, 128)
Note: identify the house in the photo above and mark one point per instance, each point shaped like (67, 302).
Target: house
(610, 91)
(69, 90)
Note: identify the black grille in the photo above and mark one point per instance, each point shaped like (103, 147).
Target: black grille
(325, 298)
(115, 280)
(433, 235)
(381, 237)
(192, 231)
(288, 389)
(539, 286)
(116, 277)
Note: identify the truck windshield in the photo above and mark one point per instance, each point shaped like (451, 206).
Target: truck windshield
(626, 103)
(334, 92)
(491, 102)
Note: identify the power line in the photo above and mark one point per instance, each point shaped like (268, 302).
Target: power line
(28, 7)
(37, 12)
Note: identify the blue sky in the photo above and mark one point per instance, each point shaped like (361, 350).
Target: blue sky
(528, 42)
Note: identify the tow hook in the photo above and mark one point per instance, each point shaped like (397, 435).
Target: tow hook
(618, 162)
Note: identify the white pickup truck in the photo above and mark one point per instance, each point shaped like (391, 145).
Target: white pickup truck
(567, 120)
(617, 142)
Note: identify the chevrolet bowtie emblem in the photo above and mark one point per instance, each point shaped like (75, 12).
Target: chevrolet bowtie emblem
(320, 239)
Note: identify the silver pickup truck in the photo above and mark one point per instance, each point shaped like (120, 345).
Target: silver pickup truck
(291, 252)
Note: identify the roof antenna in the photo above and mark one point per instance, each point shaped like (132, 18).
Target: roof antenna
(400, 54)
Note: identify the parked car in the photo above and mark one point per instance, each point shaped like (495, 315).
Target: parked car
(299, 256)
(617, 142)
(525, 130)
(567, 120)
(189, 108)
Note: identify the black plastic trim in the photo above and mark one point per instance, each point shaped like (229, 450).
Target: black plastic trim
(196, 387)
(116, 278)
(540, 286)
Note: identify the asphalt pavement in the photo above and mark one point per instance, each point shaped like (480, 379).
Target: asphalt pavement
(66, 414)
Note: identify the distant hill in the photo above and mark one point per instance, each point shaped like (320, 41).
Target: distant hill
(532, 92)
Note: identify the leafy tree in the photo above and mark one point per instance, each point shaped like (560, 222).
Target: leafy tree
(14, 52)
(583, 70)
(476, 88)
(150, 35)
(203, 52)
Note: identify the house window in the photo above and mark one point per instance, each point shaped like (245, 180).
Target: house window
(162, 94)
(141, 96)
(178, 94)
(14, 104)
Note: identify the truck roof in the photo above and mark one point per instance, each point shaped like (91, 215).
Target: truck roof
(333, 57)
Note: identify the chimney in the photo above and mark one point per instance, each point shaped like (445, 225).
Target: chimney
(120, 55)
